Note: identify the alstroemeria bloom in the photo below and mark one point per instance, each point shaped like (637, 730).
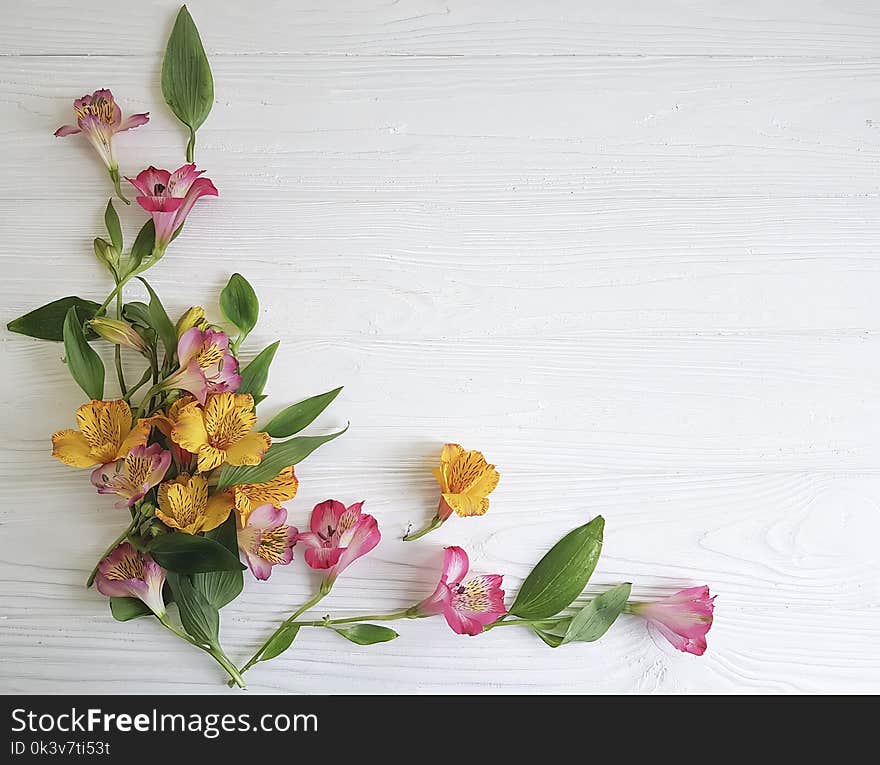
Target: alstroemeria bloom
(221, 431)
(99, 118)
(184, 504)
(265, 539)
(169, 197)
(467, 604)
(164, 422)
(280, 489)
(206, 364)
(132, 477)
(105, 435)
(466, 480)
(127, 573)
(683, 618)
(339, 536)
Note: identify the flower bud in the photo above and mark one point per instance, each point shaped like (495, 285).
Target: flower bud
(119, 333)
(106, 253)
(194, 317)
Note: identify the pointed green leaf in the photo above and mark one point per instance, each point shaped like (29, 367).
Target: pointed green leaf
(221, 587)
(280, 642)
(366, 634)
(594, 619)
(199, 618)
(137, 313)
(561, 575)
(111, 220)
(239, 304)
(279, 456)
(298, 416)
(255, 374)
(47, 322)
(125, 609)
(552, 631)
(142, 257)
(84, 364)
(187, 84)
(191, 554)
(160, 322)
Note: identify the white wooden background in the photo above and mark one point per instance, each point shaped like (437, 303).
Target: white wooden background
(627, 249)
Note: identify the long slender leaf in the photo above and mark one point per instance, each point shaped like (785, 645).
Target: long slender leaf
(296, 417)
(84, 364)
(221, 587)
(594, 619)
(47, 321)
(199, 618)
(255, 374)
(114, 229)
(160, 322)
(191, 554)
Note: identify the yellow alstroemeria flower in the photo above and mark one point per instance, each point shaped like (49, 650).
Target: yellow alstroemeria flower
(105, 434)
(221, 432)
(184, 504)
(466, 480)
(250, 496)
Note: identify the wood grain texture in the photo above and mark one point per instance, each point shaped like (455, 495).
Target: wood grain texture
(629, 253)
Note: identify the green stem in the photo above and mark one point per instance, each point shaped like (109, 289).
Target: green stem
(117, 184)
(191, 145)
(137, 386)
(144, 405)
(118, 541)
(436, 522)
(117, 352)
(116, 291)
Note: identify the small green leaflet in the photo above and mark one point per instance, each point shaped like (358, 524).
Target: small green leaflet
(199, 618)
(296, 417)
(187, 83)
(561, 575)
(111, 220)
(366, 634)
(160, 322)
(280, 643)
(239, 304)
(594, 619)
(84, 364)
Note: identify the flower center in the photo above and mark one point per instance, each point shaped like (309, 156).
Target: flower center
(100, 108)
(228, 430)
(209, 355)
(273, 543)
(159, 189)
(129, 567)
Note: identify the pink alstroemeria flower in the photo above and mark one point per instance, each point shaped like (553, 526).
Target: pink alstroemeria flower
(169, 197)
(126, 573)
(99, 118)
(206, 364)
(132, 477)
(339, 536)
(468, 605)
(266, 540)
(683, 618)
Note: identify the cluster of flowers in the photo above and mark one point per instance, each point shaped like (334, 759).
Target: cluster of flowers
(205, 487)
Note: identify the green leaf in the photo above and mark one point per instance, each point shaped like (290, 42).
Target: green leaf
(190, 554)
(125, 609)
(199, 618)
(298, 416)
(160, 322)
(366, 634)
(280, 642)
(279, 456)
(111, 220)
(84, 364)
(137, 313)
(239, 304)
(594, 619)
(221, 587)
(141, 257)
(561, 574)
(187, 83)
(47, 322)
(255, 374)
(552, 632)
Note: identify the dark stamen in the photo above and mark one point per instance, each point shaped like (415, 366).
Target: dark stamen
(158, 188)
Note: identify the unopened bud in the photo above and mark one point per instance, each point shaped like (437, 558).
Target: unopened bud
(119, 333)
(194, 317)
(106, 253)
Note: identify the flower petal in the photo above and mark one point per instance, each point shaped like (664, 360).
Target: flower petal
(189, 429)
(71, 447)
(455, 565)
(326, 515)
(249, 449)
(136, 120)
(66, 130)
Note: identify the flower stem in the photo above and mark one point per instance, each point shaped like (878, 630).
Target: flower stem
(137, 386)
(117, 184)
(191, 145)
(117, 352)
(436, 522)
(118, 541)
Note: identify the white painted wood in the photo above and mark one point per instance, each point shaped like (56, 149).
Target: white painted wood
(628, 251)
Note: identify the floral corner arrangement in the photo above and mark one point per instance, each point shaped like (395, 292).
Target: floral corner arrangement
(201, 479)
